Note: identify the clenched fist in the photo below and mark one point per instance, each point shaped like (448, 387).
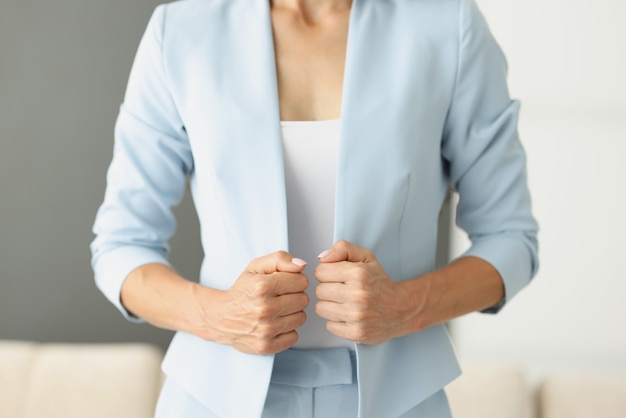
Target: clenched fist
(359, 300)
(259, 314)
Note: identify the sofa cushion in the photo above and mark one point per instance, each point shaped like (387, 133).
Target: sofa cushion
(16, 359)
(490, 391)
(74, 380)
(583, 395)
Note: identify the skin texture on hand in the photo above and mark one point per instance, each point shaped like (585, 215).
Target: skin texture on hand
(363, 304)
(357, 298)
(259, 314)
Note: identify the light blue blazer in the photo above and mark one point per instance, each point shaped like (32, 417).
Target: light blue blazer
(425, 105)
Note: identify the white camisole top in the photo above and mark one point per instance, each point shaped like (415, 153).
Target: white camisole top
(310, 155)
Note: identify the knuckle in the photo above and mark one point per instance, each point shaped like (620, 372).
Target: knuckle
(261, 288)
(264, 331)
(281, 255)
(264, 311)
(358, 316)
(255, 262)
(360, 276)
(362, 298)
(359, 335)
(263, 346)
(342, 243)
(289, 339)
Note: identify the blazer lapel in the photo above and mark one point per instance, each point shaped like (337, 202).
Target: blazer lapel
(249, 130)
(380, 101)
(363, 116)
(372, 177)
(234, 117)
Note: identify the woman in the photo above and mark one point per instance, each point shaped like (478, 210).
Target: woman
(314, 129)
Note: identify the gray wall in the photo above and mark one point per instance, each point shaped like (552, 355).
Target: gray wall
(63, 71)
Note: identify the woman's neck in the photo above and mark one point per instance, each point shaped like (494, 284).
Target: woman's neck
(312, 10)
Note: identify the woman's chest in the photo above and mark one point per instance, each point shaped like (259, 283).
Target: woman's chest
(310, 60)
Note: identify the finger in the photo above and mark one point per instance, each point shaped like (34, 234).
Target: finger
(292, 303)
(284, 341)
(287, 335)
(278, 261)
(267, 346)
(331, 292)
(345, 251)
(284, 283)
(331, 311)
(279, 325)
(293, 321)
(339, 329)
(333, 272)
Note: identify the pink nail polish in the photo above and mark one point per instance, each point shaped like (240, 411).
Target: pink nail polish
(298, 262)
(323, 254)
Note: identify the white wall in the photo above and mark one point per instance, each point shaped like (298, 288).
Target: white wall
(563, 53)
(568, 66)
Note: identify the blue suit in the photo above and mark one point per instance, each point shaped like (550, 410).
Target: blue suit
(425, 105)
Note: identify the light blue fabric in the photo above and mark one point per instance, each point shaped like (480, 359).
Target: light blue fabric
(304, 384)
(313, 384)
(425, 106)
(295, 402)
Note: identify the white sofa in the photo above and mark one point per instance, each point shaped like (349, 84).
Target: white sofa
(123, 381)
(78, 381)
(498, 391)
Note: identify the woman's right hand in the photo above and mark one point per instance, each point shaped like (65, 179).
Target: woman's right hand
(259, 314)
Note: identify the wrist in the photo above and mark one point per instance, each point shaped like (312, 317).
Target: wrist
(418, 295)
(203, 317)
(467, 285)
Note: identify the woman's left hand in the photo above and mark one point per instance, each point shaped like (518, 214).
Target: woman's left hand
(360, 301)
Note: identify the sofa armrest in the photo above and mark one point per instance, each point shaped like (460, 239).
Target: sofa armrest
(77, 380)
(490, 391)
(583, 395)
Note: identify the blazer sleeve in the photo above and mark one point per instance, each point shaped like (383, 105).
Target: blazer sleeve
(487, 164)
(147, 175)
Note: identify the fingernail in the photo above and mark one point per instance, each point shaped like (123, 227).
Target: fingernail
(298, 262)
(323, 254)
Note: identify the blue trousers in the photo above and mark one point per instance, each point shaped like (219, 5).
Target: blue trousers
(304, 384)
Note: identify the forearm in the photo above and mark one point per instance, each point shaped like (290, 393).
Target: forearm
(466, 285)
(157, 294)
(257, 315)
